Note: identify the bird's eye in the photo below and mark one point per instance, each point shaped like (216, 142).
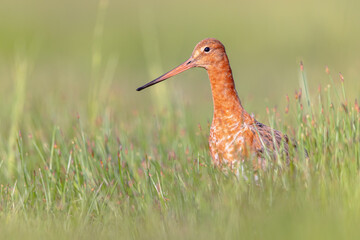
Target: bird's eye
(207, 49)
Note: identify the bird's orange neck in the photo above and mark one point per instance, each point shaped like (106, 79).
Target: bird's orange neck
(225, 97)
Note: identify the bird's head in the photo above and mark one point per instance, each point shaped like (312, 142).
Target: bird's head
(207, 54)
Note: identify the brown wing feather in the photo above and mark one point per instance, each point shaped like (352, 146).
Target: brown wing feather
(269, 138)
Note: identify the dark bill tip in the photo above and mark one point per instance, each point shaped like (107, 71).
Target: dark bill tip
(183, 67)
(159, 79)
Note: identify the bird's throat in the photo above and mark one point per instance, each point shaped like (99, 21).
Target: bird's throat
(225, 98)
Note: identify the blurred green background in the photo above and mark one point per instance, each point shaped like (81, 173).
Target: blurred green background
(140, 40)
(64, 59)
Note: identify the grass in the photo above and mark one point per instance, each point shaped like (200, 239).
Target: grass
(152, 177)
(80, 159)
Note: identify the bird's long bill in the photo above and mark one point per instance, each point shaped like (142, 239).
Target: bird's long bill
(179, 69)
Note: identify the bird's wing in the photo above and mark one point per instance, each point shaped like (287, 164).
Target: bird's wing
(269, 138)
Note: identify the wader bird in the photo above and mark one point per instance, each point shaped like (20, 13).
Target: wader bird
(234, 134)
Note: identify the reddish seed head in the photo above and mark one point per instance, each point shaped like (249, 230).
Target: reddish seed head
(344, 105)
(287, 106)
(298, 94)
(341, 78)
(304, 119)
(327, 70)
(357, 108)
(301, 66)
(313, 122)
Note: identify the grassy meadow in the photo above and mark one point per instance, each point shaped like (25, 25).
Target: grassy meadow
(85, 156)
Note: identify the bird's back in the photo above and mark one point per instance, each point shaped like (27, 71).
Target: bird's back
(232, 142)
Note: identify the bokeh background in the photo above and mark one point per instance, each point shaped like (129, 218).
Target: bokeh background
(83, 154)
(67, 44)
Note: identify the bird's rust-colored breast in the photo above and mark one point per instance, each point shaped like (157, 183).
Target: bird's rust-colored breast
(230, 139)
